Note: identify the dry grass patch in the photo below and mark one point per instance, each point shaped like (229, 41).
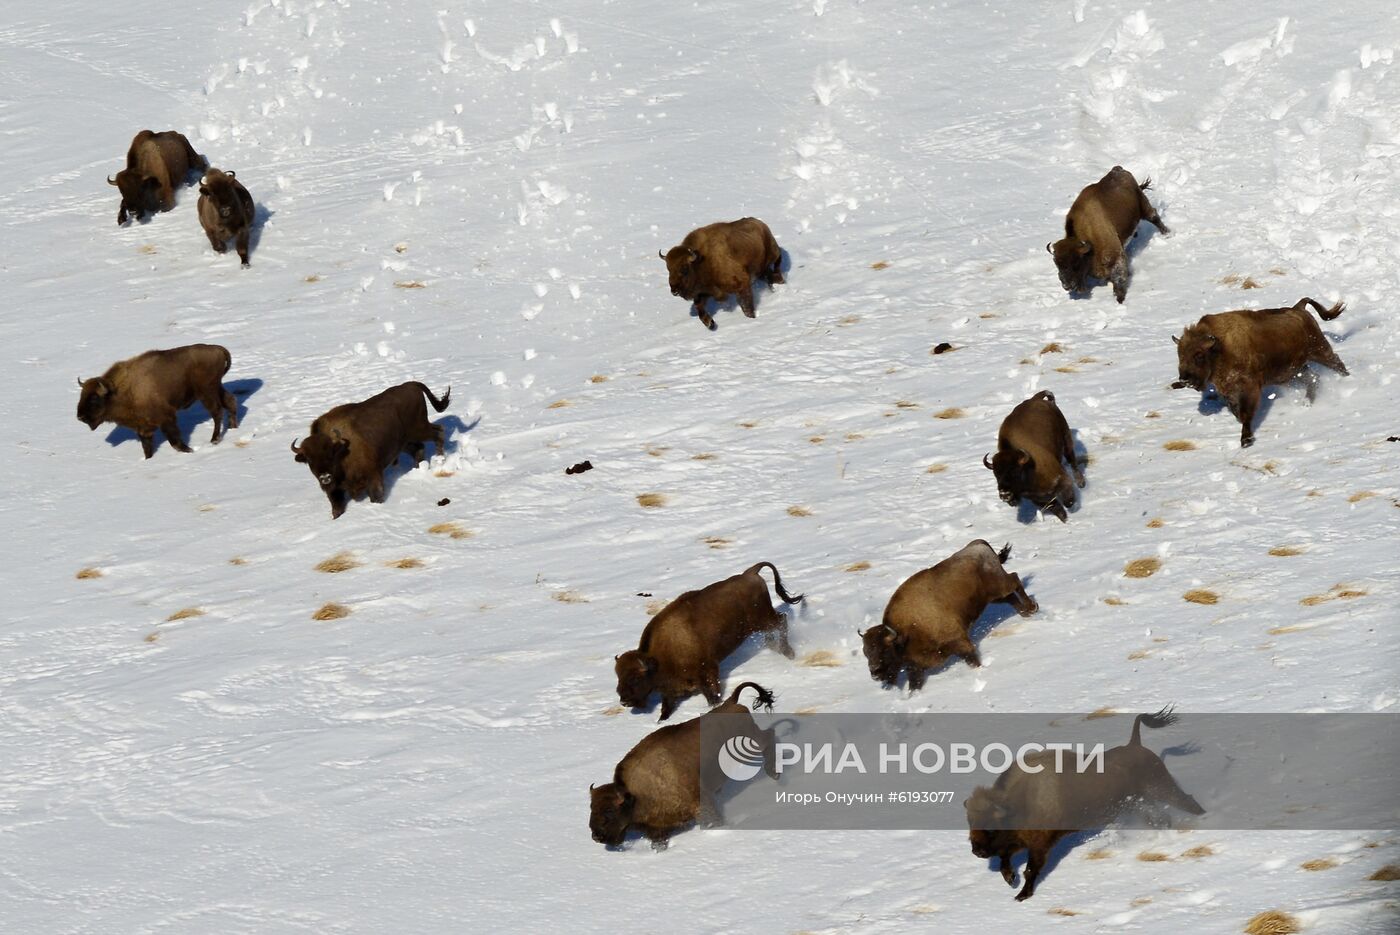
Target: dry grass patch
(1102, 853)
(656, 451)
(821, 659)
(857, 566)
(1067, 369)
(1138, 655)
(452, 529)
(1154, 414)
(186, 613)
(613, 711)
(748, 424)
(880, 264)
(1201, 596)
(1291, 628)
(1142, 568)
(651, 501)
(817, 439)
(848, 321)
(1100, 713)
(1387, 874)
(1153, 857)
(703, 456)
(410, 284)
(409, 562)
(655, 606)
(331, 612)
(334, 565)
(1054, 347)
(1180, 444)
(1061, 911)
(1115, 601)
(854, 436)
(444, 473)
(1286, 551)
(717, 542)
(152, 637)
(1361, 495)
(936, 468)
(1140, 901)
(1273, 922)
(149, 249)
(798, 511)
(314, 277)
(569, 597)
(207, 508)
(952, 412)
(559, 404)
(598, 378)
(906, 404)
(1321, 863)
(238, 560)
(1196, 853)
(86, 573)
(1156, 522)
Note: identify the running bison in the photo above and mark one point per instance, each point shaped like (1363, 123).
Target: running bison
(1007, 817)
(146, 392)
(1101, 221)
(225, 211)
(930, 616)
(663, 784)
(155, 164)
(723, 259)
(1241, 352)
(1033, 446)
(682, 647)
(351, 446)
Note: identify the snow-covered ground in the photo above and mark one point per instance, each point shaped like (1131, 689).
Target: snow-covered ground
(473, 194)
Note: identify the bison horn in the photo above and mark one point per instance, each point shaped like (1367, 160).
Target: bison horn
(591, 785)
(111, 181)
(1176, 340)
(80, 381)
(986, 463)
(660, 254)
(295, 449)
(1048, 248)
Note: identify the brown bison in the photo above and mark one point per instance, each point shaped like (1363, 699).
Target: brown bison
(682, 647)
(351, 446)
(662, 785)
(1241, 352)
(723, 259)
(1101, 221)
(1002, 820)
(1031, 444)
(225, 211)
(930, 616)
(146, 392)
(155, 164)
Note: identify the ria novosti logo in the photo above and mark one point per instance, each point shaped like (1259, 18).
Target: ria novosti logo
(741, 758)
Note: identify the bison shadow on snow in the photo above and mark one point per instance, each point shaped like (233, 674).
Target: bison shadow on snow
(1027, 512)
(1144, 234)
(452, 426)
(261, 214)
(995, 615)
(731, 303)
(192, 416)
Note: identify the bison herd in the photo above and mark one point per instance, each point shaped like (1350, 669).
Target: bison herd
(661, 785)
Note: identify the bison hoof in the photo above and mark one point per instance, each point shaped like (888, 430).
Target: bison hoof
(1247, 442)
(1022, 896)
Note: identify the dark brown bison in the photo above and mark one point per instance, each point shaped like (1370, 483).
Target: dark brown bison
(682, 647)
(1005, 819)
(1101, 221)
(663, 785)
(1033, 446)
(930, 615)
(146, 392)
(1242, 352)
(351, 446)
(155, 164)
(723, 259)
(225, 211)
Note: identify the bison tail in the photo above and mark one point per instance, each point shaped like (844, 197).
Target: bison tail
(764, 699)
(1046, 395)
(1146, 183)
(1162, 718)
(1326, 314)
(777, 583)
(1004, 554)
(438, 404)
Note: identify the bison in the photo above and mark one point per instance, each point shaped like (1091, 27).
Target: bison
(929, 617)
(155, 164)
(662, 785)
(1101, 221)
(1243, 351)
(1005, 819)
(682, 647)
(225, 211)
(351, 446)
(1033, 445)
(723, 259)
(146, 392)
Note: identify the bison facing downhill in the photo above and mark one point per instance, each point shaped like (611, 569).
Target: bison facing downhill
(723, 259)
(1242, 352)
(663, 785)
(930, 615)
(351, 446)
(682, 647)
(1101, 221)
(1030, 445)
(146, 392)
(225, 211)
(155, 164)
(1007, 818)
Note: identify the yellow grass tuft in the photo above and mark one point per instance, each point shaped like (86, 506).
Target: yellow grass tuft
(1142, 568)
(748, 424)
(1140, 901)
(817, 439)
(1137, 654)
(1154, 414)
(1361, 495)
(857, 566)
(569, 597)
(798, 511)
(443, 473)
(1273, 922)
(854, 436)
(655, 606)
(1100, 713)
(1387, 874)
(1312, 600)
(598, 378)
(559, 404)
(1156, 522)
(651, 501)
(656, 451)
(454, 530)
(410, 284)
(152, 637)
(936, 468)
(906, 404)
(238, 560)
(1285, 551)
(1054, 347)
(1291, 628)
(821, 659)
(85, 573)
(1102, 853)
(952, 412)
(331, 612)
(879, 264)
(1061, 911)
(1066, 369)
(1196, 853)
(1153, 857)
(185, 614)
(149, 249)
(717, 542)
(848, 321)
(207, 508)
(703, 456)
(1201, 596)
(334, 565)
(314, 277)
(1348, 594)
(409, 562)
(613, 711)
(1320, 863)
(1180, 444)
(1115, 601)
(1251, 283)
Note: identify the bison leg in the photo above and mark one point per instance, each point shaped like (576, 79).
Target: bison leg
(1324, 355)
(669, 705)
(1150, 213)
(1025, 605)
(746, 300)
(710, 686)
(1007, 873)
(1072, 459)
(440, 440)
(1245, 405)
(171, 428)
(774, 276)
(376, 489)
(242, 244)
(1310, 383)
(121, 214)
(705, 318)
(917, 676)
(1118, 276)
(778, 635)
(213, 400)
(218, 243)
(1057, 509)
(338, 500)
(660, 840)
(969, 653)
(148, 442)
(230, 406)
(1035, 862)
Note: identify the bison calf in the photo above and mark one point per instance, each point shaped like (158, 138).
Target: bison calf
(1006, 818)
(225, 212)
(1031, 444)
(723, 259)
(682, 647)
(155, 164)
(1242, 352)
(929, 617)
(351, 446)
(1101, 221)
(146, 392)
(662, 785)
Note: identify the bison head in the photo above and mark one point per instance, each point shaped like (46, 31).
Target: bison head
(1072, 258)
(325, 455)
(217, 186)
(885, 653)
(1014, 470)
(683, 267)
(1196, 352)
(92, 403)
(140, 194)
(610, 813)
(986, 811)
(636, 677)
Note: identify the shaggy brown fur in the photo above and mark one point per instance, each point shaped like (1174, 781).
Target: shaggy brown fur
(1030, 445)
(351, 446)
(683, 646)
(663, 785)
(1241, 352)
(1101, 221)
(930, 615)
(723, 259)
(146, 392)
(1001, 818)
(225, 212)
(155, 164)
